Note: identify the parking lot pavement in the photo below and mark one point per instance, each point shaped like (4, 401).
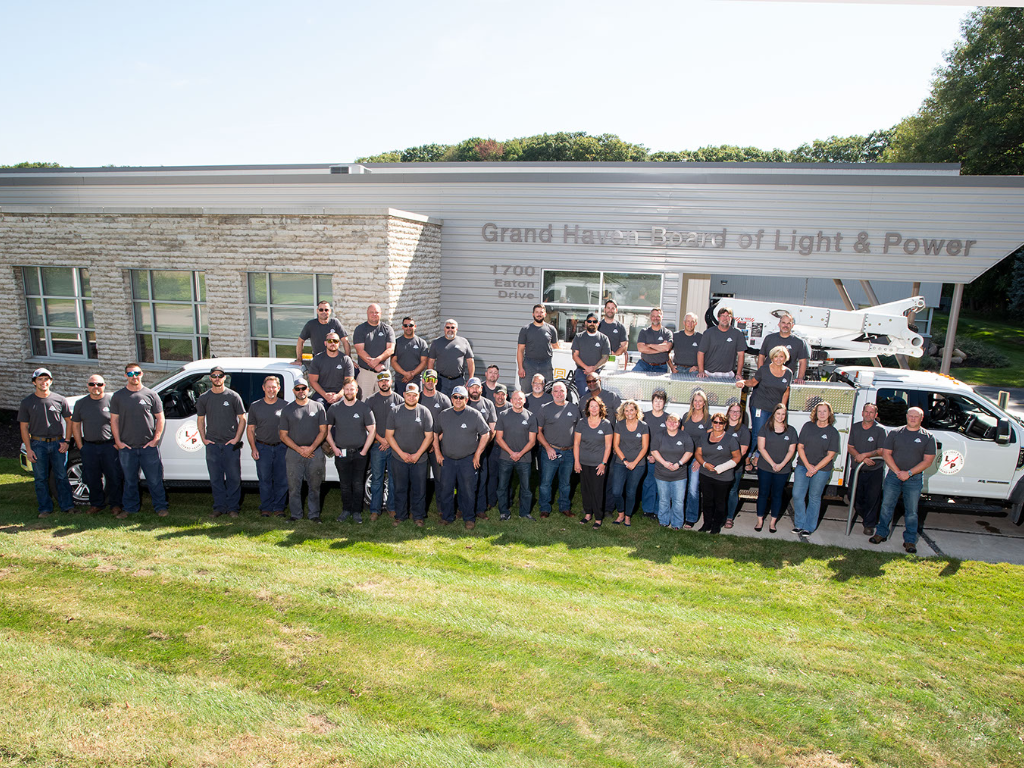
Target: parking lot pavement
(964, 536)
(1015, 405)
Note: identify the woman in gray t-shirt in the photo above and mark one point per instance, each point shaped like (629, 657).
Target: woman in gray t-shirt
(817, 449)
(592, 445)
(777, 443)
(629, 446)
(737, 428)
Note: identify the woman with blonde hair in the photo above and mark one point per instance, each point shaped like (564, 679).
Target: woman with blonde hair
(817, 449)
(630, 444)
(695, 425)
(769, 387)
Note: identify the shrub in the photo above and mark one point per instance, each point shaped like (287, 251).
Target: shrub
(979, 354)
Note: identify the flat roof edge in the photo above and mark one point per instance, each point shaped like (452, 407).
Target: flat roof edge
(220, 211)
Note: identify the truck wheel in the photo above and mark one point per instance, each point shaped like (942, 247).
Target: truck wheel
(79, 490)
(1017, 512)
(366, 495)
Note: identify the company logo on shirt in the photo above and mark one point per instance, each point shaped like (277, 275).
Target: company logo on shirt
(355, 415)
(679, 442)
(917, 440)
(786, 438)
(871, 439)
(825, 437)
(601, 432)
(419, 420)
(464, 426)
(728, 338)
(226, 404)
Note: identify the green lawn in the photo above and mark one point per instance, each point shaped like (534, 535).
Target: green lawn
(1008, 338)
(184, 641)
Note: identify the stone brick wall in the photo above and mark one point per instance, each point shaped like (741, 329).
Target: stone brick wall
(383, 256)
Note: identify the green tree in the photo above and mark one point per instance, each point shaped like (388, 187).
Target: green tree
(843, 149)
(28, 164)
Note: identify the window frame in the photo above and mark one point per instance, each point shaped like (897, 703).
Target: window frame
(199, 341)
(271, 340)
(85, 325)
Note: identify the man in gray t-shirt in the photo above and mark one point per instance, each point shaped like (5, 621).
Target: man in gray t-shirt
(516, 434)
(451, 356)
(45, 421)
(797, 347)
(556, 432)
(410, 433)
(867, 438)
(410, 358)
(722, 348)
(590, 351)
(908, 452)
(303, 427)
(137, 423)
(654, 343)
(221, 422)
(535, 348)
(460, 436)
(374, 342)
(316, 331)
(270, 454)
(685, 345)
(101, 468)
(328, 371)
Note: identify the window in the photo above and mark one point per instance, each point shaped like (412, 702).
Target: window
(181, 398)
(943, 412)
(280, 303)
(59, 301)
(171, 324)
(570, 296)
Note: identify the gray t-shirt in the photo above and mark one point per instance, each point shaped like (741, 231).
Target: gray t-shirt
(742, 434)
(265, 418)
(630, 443)
(671, 448)
(317, 332)
(796, 347)
(591, 348)
(409, 353)
(221, 412)
(539, 340)
(45, 415)
(558, 423)
(721, 349)
(374, 338)
(817, 441)
(718, 453)
(460, 432)
(770, 388)
(650, 336)
(516, 428)
(615, 331)
(136, 415)
(909, 447)
(486, 409)
(534, 404)
(867, 441)
(656, 424)
(684, 349)
(303, 422)
(776, 446)
(695, 429)
(592, 441)
(411, 426)
(450, 356)
(331, 371)
(348, 423)
(94, 416)
(439, 402)
(382, 405)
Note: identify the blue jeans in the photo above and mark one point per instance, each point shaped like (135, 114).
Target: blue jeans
(410, 489)
(649, 495)
(100, 460)
(505, 469)
(224, 463)
(379, 461)
(272, 471)
(642, 366)
(756, 424)
(692, 494)
(48, 455)
(447, 385)
(624, 483)
(147, 460)
(734, 492)
(532, 367)
(562, 466)
(671, 498)
(892, 489)
(770, 488)
(807, 494)
(457, 474)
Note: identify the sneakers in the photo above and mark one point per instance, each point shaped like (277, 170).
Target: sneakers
(233, 513)
(545, 515)
(45, 514)
(358, 517)
(505, 516)
(527, 517)
(343, 517)
(122, 515)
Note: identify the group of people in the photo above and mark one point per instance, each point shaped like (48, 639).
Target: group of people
(404, 408)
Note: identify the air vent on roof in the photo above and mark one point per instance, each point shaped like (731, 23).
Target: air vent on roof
(353, 168)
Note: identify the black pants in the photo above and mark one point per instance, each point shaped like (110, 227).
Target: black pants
(868, 502)
(352, 476)
(592, 490)
(714, 498)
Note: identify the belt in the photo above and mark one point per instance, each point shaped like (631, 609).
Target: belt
(45, 439)
(452, 378)
(560, 448)
(270, 444)
(99, 442)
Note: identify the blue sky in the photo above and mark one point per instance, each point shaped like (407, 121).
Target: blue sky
(258, 82)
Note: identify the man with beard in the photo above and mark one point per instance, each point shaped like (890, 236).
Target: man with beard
(375, 344)
(351, 427)
(381, 403)
(490, 414)
(410, 432)
(460, 436)
(516, 434)
(303, 426)
(269, 453)
(537, 341)
(556, 431)
(451, 356)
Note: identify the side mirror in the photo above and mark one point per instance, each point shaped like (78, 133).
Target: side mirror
(1003, 432)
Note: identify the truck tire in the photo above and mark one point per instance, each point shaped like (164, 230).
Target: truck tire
(1017, 504)
(366, 494)
(79, 491)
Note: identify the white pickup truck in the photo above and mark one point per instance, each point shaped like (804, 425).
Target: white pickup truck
(980, 459)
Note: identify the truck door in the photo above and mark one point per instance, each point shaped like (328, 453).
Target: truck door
(181, 449)
(969, 462)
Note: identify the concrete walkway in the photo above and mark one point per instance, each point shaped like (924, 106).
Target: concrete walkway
(963, 536)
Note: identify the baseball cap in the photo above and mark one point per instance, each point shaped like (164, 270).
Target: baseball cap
(300, 382)
(460, 391)
(411, 388)
(499, 387)
(430, 373)
(218, 369)
(383, 375)
(41, 372)
(474, 382)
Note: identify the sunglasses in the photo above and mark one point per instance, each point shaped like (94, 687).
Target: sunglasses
(408, 325)
(591, 322)
(95, 384)
(133, 374)
(451, 327)
(300, 389)
(323, 310)
(334, 341)
(591, 381)
(216, 375)
(458, 397)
